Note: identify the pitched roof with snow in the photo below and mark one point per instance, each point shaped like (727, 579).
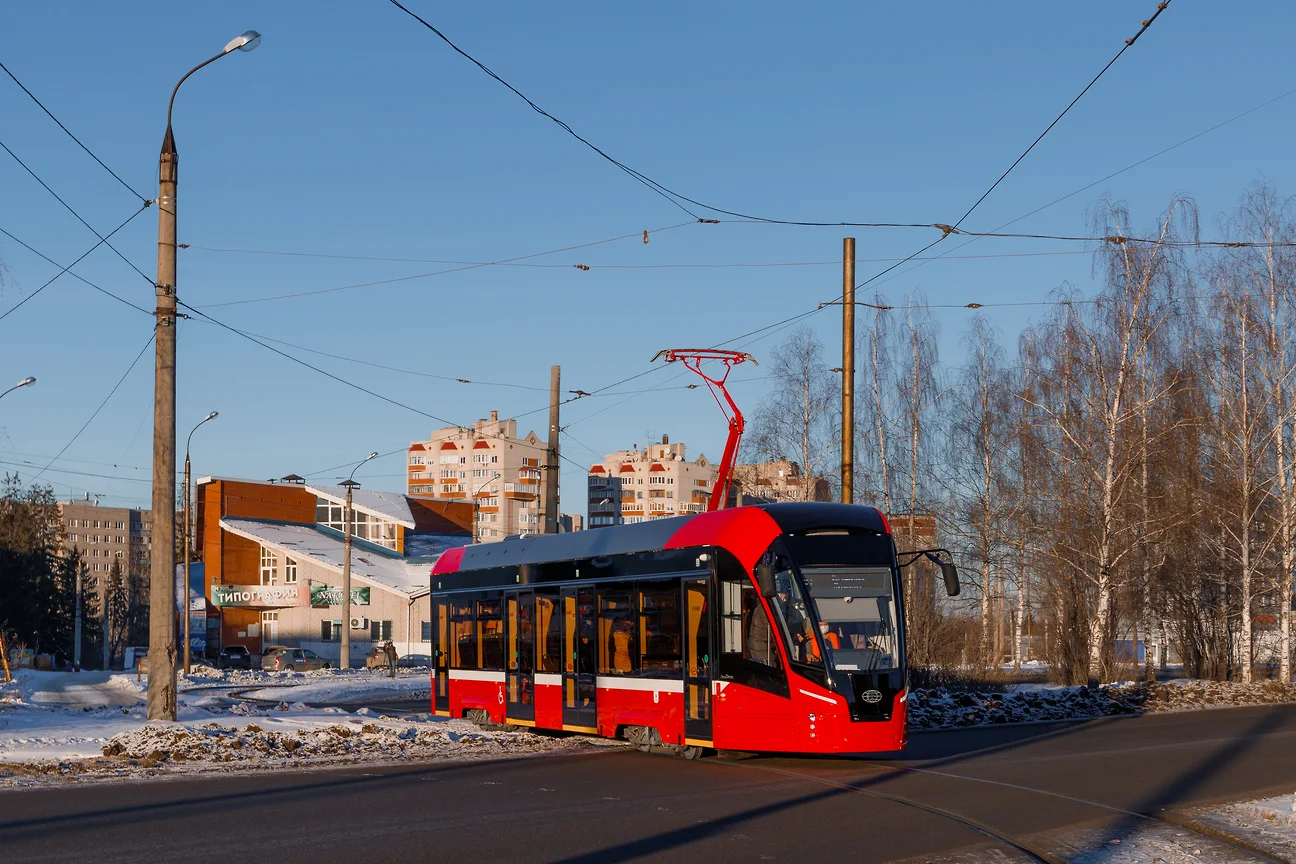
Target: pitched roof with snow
(382, 569)
(385, 505)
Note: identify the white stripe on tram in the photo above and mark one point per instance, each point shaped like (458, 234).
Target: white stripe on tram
(659, 685)
(548, 679)
(475, 675)
(817, 696)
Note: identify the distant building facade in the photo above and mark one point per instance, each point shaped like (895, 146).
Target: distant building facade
(460, 463)
(658, 481)
(108, 535)
(778, 480)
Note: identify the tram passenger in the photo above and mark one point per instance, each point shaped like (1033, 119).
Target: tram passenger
(621, 646)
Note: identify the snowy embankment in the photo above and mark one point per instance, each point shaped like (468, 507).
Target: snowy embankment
(92, 725)
(953, 709)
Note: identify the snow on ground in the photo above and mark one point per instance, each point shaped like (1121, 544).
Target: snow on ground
(1268, 824)
(56, 726)
(950, 709)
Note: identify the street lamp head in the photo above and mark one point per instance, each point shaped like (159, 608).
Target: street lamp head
(373, 455)
(212, 416)
(244, 42)
(26, 381)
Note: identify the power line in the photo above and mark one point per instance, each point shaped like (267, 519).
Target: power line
(1087, 187)
(23, 87)
(68, 207)
(1128, 42)
(74, 275)
(676, 197)
(687, 265)
(97, 410)
(394, 368)
(102, 241)
(296, 294)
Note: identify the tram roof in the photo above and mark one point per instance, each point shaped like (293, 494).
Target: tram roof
(655, 535)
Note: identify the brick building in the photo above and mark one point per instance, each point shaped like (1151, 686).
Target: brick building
(273, 556)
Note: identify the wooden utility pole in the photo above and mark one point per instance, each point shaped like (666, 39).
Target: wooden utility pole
(549, 481)
(848, 372)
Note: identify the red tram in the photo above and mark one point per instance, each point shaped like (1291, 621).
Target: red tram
(774, 627)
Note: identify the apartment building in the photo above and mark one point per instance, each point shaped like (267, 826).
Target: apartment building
(635, 485)
(489, 465)
(777, 480)
(108, 535)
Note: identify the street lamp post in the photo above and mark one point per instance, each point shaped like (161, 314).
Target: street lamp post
(474, 503)
(26, 382)
(212, 416)
(344, 661)
(162, 647)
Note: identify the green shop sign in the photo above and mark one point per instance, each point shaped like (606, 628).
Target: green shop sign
(327, 595)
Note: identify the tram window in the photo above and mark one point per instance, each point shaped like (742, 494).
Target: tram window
(699, 637)
(747, 631)
(490, 635)
(617, 649)
(659, 628)
(463, 635)
(549, 627)
(587, 647)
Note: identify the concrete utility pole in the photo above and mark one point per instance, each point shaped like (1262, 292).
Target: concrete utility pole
(344, 661)
(550, 480)
(76, 621)
(187, 612)
(162, 647)
(848, 372)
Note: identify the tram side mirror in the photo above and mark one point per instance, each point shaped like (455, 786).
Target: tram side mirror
(950, 574)
(765, 578)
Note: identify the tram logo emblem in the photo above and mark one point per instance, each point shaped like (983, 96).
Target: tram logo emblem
(872, 697)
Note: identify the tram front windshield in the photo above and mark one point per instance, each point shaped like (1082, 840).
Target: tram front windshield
(856, 611)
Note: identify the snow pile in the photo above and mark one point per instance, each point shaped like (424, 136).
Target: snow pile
(331, 686)
(942, 708)
(156, 743)
(1268, 824)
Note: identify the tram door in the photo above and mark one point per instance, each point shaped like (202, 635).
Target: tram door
(697, 660)
(580, 656)
(440, 655)
(519, 687)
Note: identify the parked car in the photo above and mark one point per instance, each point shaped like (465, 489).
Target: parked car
(234, 657)
(413, 660)
(281, 659)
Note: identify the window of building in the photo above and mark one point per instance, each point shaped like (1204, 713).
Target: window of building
(380, 631)
(331, 631)
(416, 460)
(96, 523)
(425, 631)
(494, 459)
(117, 554)
(449, 459)
(290, 570)
(269, 563)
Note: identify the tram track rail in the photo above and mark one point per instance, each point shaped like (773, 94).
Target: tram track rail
(1031, 850)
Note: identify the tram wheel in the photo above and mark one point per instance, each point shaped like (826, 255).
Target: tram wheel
(691, 752)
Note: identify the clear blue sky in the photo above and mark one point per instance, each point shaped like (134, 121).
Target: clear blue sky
(352, 130)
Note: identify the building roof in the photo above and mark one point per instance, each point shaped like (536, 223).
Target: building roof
(386, 570)
(385, 505)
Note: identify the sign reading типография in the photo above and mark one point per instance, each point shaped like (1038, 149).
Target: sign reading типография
(257, 596)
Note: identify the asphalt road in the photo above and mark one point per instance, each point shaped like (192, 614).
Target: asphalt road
(621, 805)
